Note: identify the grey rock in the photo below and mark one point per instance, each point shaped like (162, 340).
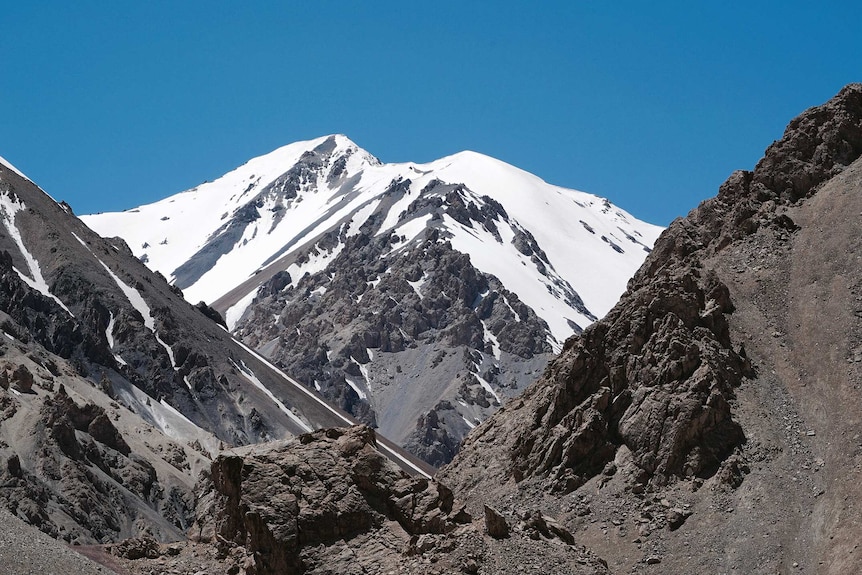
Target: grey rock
(327, 485)
(21, 379)
(495, 523)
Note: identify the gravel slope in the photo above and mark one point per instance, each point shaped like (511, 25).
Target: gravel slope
(25, 550)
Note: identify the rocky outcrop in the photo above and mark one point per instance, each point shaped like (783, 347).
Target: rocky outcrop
(21, 379)
(418, 323)
(495, 524)
(82, 483)
(329, 502)
(329, 485)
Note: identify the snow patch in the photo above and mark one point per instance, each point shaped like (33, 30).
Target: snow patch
(250, 376)
(492, 339)
(356, 387)
(137, 300)
(487, 386)
(10, 208)
(82, 242)
(417, 285)
(109, 335)
(165, 417)
(235, 312)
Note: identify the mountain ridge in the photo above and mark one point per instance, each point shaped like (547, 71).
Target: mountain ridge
(708, 423)
(414, 296)
(349, 162)
(698, 391)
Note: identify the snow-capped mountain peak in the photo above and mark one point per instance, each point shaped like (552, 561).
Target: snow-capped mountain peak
(566, 253)
(415, 296)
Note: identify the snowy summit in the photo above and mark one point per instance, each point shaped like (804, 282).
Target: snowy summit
(566, 254)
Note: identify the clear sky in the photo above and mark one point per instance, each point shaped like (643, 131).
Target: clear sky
(113, 104)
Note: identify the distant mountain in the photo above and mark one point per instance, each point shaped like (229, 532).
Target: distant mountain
(415, 296)
(114, 391)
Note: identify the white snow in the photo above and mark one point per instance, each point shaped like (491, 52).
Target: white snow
(9, 208)
(318, 291)
(518, 273)
(109, 335)
(492, 339)
(417, 285)
(567, 225)
(410, 230)
(82, 242)
(166, 418)
(137, 301)
(250, 376)
(511, 309)
(357, 387)
(135, 298)
(366, 376)
(342, 417)
(235, 312)
(169, 350)
(6, 163)
(487, 386)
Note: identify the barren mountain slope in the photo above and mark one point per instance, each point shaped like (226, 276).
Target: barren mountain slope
(711, 421)
(114, 391)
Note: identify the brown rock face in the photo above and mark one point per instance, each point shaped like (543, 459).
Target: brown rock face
(495, 523)
(21, 379)
(63, 416)
(329, 502)
(333, 484)
(735, 360)
(657, 374)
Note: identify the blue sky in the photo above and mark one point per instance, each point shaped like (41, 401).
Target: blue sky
(109, 105)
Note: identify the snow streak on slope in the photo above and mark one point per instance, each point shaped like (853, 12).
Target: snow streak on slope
(10, 207)
(166, 418)
(381, 445)
(566, 254)
(137, 301)
(253, 379)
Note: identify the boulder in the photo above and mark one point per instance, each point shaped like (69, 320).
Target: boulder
(21, 379)
(495, 523)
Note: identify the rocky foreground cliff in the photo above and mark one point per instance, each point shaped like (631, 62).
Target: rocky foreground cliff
(710, 420)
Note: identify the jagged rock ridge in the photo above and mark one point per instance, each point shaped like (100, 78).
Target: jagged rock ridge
(682, 380)
(328, 502)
